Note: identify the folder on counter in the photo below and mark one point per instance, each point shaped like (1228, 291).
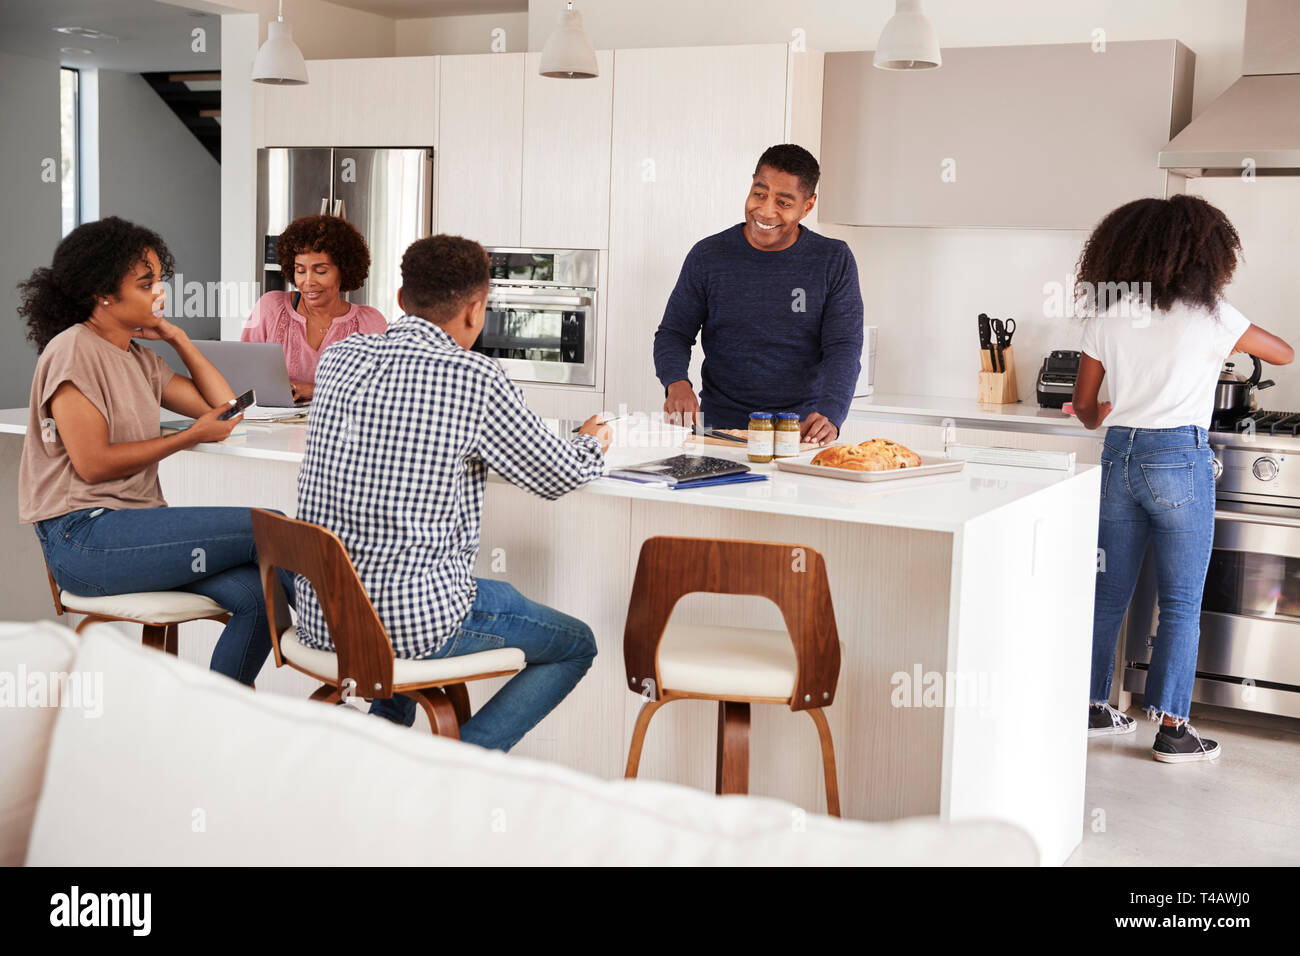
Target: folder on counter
(721, 480)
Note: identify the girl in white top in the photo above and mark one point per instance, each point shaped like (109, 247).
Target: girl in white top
(1150, 281)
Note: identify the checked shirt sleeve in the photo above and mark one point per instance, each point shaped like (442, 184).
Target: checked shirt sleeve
(517, 445)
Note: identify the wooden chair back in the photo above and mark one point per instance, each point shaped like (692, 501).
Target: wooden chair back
(365, 653)
(792, 576)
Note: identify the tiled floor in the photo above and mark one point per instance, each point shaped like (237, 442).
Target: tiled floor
(1242, 809)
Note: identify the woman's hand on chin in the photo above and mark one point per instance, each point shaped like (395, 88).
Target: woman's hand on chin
(164, 331)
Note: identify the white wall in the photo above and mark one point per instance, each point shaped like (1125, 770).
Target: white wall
(29, 104)
(323, 30)
(154, 172)
(924, 289)
(431, 36)
(29, 115)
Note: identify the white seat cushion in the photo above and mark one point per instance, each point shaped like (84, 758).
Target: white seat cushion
(27, 651)
(326, 663)
(727, 661)
(193, 769)
(151, 607)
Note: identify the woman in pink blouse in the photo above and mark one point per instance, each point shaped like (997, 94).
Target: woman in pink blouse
(323, 256)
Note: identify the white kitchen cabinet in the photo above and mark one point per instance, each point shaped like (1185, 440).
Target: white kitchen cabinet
(567, 126)
(374, 101)
(480, 147)
(689, 125)
(1052, 136)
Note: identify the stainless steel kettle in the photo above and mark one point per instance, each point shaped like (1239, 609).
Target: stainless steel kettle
(1235, 393)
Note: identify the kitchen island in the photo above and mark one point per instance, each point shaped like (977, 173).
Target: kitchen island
(964, 603)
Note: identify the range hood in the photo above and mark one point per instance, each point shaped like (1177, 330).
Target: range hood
(1255, 123)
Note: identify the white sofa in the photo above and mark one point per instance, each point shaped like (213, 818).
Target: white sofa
(185, 767)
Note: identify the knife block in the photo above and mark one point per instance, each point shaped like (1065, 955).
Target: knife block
(998, 388)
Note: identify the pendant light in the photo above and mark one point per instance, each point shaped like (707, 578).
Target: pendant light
(908, 41)
(568, 54)
(279, 61)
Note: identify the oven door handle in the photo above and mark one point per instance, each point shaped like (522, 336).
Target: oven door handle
(515, 300)
(1261, 534)
(1243, 518)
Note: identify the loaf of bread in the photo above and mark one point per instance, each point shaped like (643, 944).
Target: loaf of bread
(878, 454)
(900, 455)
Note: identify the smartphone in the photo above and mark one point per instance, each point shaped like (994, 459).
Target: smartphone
(241, 403)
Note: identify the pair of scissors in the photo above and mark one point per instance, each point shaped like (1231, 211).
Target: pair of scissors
(1002, 332)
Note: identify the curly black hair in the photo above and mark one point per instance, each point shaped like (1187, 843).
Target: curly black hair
(1184, 247)
(795, 160)
(91, 261)
(332, 235)
(439, 273)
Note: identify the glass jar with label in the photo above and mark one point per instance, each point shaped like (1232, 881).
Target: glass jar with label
(786, 435)
(762, 436)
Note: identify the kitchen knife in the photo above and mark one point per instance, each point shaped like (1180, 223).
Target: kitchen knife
(986, 340)
(1002, 332)
(712, 433)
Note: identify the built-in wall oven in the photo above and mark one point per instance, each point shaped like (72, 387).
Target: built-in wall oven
(541, 315)
(1249, 654)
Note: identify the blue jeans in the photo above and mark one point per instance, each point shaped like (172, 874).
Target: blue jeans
(558, 649)
(98, 551)
(1157, 484)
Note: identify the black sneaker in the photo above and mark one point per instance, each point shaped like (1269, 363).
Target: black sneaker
(1104, 720)
(1182, 744)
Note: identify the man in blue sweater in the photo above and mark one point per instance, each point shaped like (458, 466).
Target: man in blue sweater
(779, 307)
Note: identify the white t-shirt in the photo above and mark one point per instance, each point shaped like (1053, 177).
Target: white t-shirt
(1162, 368)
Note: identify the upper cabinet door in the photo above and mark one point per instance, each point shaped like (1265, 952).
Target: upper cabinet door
(480, 147)
(378, 101)
(689, 126)
(566, 158)
(1051, 136)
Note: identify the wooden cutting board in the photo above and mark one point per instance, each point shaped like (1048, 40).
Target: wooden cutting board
(739, 433)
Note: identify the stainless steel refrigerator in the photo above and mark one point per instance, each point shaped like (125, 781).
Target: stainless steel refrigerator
(386, 193)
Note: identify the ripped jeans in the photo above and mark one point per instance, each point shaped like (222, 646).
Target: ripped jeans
(1157, 485)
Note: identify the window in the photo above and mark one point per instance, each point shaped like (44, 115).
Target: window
(69, 143)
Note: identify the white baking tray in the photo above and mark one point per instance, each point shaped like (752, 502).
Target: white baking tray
(930, 465)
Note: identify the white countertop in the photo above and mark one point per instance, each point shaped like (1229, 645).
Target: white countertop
(932, 503)
(1024, 415)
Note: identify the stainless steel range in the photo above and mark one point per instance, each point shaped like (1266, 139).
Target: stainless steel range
(1250, 615)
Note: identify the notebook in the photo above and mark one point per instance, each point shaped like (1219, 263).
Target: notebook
(680, 470)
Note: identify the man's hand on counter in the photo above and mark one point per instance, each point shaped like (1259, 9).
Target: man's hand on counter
(594, 426)
(681, 407)
(818, 428)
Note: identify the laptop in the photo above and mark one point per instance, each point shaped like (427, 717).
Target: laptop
(244, 365)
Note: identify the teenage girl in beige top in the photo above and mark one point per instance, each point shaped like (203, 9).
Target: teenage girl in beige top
(88, 480)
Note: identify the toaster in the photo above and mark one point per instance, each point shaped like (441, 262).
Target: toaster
(1056, 378)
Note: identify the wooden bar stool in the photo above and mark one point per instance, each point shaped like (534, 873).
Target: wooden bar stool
(362, 663)
(733, 665)
(160, 613)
